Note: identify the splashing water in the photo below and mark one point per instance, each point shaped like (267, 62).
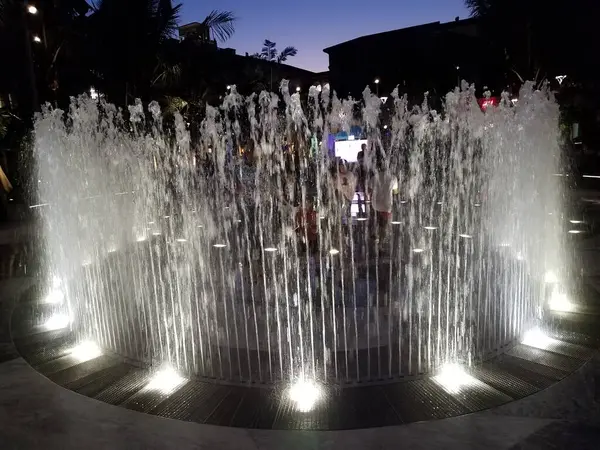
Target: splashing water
(180, 252)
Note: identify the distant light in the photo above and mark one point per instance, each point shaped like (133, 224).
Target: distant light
(156, 233)
(271, 249)
(591, 176)
(376, 80)
(403, 201)
(57, 321)
(361, 219)
(466, 236)
(305, 395)
(383, 99)
(200, 226)
(418, 250)
(457, 67)
(334, 251)
(550, 277)
(385, 127)
(560, 79)
(181, 240)
(504, 244)
(453, 378)
(93, 94)
(476, 205)
(86, 351)
(538, 339)
(430, 228)
(576, 231)
(37, 39)
(576, 222)
(559, 302)
(396, 222)
(220, 245)
(228, 87)
(32, 9)
(440, 203)
(166, 381)
(297, 88)
(55, 297)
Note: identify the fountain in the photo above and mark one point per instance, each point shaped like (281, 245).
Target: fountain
(178, 254)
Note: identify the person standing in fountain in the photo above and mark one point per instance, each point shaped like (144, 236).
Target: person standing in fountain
(361, 180)
(383, 185)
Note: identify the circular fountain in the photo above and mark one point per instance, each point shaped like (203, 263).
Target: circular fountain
(193, 261)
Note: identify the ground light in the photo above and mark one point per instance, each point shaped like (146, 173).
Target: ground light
(166, 381)
(538, 339)
(85, 351)
(453, 378)
(430, 228)
(270, 249)
(220, 245)
(418, 250)
(305, 395)
(57, 321)
(576, 231)
(334, 251)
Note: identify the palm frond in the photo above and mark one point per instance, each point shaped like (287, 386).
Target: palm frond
(287, 52)
(478, 8)
(221, 23)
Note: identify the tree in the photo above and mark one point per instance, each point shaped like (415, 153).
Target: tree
(269, 52)
(540, 39)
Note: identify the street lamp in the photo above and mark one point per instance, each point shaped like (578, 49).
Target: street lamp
(32, 9)
(377, 86)
(36, 39)
(297, 88)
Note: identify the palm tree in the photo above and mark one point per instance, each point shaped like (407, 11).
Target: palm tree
(269, 52)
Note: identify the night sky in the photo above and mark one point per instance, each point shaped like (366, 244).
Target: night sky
(312, 25)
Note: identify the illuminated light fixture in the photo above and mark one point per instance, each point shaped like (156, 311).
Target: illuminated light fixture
(385, 127)
(94, 96)
(55, 296)
(440, 203)
(39, 206)
(538, 339)
(85, 351)
(37, 39)
(200, 226)
(271, 249)
(396, 222)
(505, 244)
(334, 251)
(576, 231)
(305, 395)
(403, 202)
(376, 80)
(57, 321)
(228, 87)
(156, 233)
(166, 381)
(560, 79)
(465, 236)
(514, 101)
(32, 10)
(383, 99)
(220, 245)
(550, 277)
(476, 205)
(577, 222)
(559, 302)
(453, 378)
(590, 176)
(181, 240)
(298, 89)
(430, 228)
(418, 250)
(239, 221)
